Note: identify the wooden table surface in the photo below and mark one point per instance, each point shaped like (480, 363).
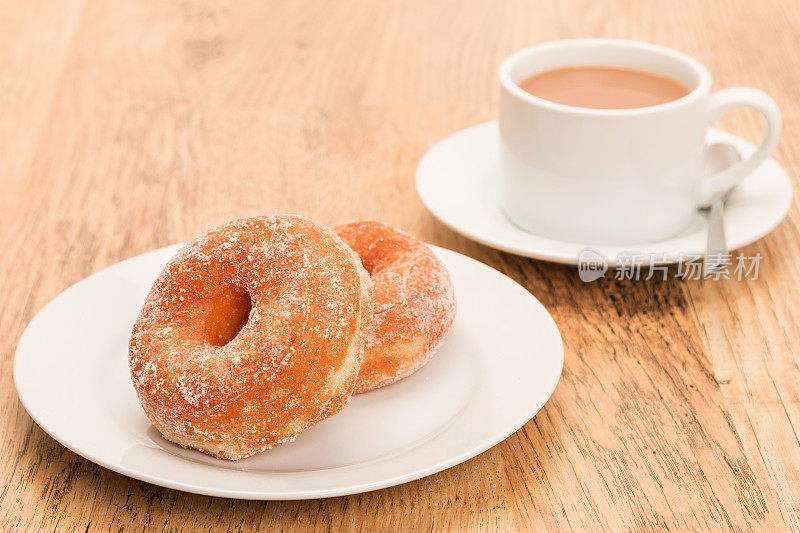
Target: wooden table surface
(125, 126)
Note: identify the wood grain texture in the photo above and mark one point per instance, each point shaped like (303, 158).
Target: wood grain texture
(125, 126)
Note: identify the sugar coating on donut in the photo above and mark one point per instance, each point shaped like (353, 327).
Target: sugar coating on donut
(251, 334)
(413, 301)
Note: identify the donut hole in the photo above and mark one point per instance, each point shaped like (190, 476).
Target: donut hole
(229, 313)
(373, 265)
(369, 266)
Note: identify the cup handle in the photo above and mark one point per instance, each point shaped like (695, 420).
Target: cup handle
(711, 187)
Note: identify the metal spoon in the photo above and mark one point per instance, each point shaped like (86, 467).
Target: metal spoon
(718, 157)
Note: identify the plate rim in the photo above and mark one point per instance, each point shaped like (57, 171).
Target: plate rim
(269, 495)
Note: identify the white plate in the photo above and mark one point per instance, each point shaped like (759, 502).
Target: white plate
(457, 182)
(497, 368)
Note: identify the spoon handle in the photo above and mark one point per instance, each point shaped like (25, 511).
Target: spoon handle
(716, 245)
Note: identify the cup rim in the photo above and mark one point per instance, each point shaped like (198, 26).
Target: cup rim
(703, 85)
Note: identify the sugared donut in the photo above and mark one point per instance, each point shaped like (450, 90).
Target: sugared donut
(251, 334)
(413, 307)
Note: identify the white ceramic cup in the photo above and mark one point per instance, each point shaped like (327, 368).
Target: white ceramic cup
(620, 176)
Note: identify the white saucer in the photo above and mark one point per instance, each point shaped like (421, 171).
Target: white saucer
(457, 182)
(497, 368)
